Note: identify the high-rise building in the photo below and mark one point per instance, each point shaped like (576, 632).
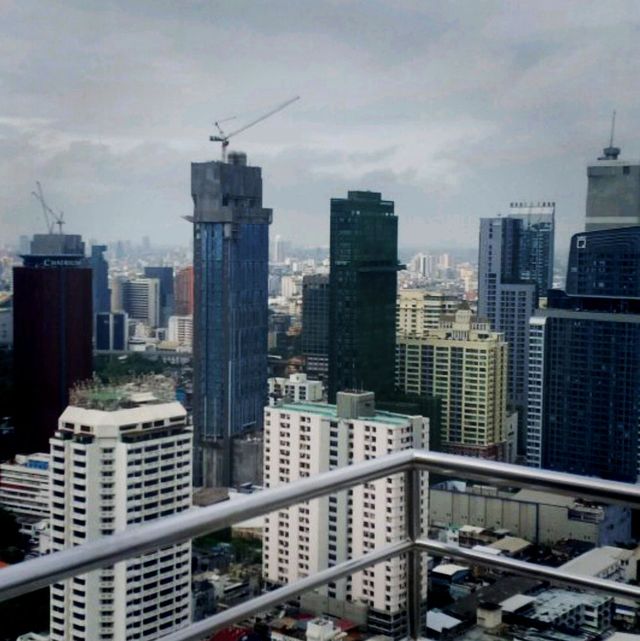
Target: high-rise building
(100, 279)
(613, 192)
(418, 310)
(507, 300)
(584, 375)
(112, 331)
(464, 364)
(362, 293)
(230, 325)
(121, 456)
(181, 331)
(302, 540)
(52, 320)
(537, 235)
(141, 300)
(184, 291)
(167, 302)
(315, 324)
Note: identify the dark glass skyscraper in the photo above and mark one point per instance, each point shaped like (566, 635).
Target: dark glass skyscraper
(315, 324)
(165, 278)
(231, 264)
(52, 316)
(362, 294)
(584, 384)
(100, 279)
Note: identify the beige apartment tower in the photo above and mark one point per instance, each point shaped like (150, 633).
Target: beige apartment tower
(463, 363)
(418, 310)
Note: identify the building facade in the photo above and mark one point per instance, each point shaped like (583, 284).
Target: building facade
(112, 331)
(585, 388)
(24, 486)
(507, 301)
(230, 321)
(100, 279)
(181, 331)
(464, 364)
(184, 291)
(419, 311)
(537, 237)
(141, 300)
(121, 456)
(303, 439)
(167, 299)
(362, 293)
(315, 324)
(613, 192)
(53, 329)
(297, 388)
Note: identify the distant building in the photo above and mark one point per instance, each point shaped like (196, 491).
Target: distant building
(167, 302)
(328, 437)
(112, 331)
(295, 389)
(141, 300)
(537, 237)
(419, 311)
(507, 300)
(315, 324)
(181, 331)
(362, 293)
(230, 321)
(184, 291)
(24, 486)
(52, 321)
(100, 279)
(613, 192)
(109, 462)
(584, 382)
(464, 364)
(6, 325)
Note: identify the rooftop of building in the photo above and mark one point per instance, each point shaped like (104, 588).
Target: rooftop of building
(145, 390)
(329, 411)
(598, 560)
(556, 602)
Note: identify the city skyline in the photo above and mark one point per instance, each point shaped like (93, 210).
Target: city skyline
(513, 111)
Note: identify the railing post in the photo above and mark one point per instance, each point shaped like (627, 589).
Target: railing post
(413, 515)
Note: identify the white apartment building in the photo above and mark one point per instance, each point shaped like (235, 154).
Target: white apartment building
(141, 300)
(181, 330)
(418, 311)
(303, 439)
(24, 486)
(296, 388)
(121, 456)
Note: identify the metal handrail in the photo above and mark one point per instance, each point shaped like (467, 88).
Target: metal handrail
(37, 573)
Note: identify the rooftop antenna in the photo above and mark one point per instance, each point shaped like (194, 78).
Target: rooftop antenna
(224, 138)
(611, 152)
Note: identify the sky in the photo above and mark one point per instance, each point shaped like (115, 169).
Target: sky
(451, 109)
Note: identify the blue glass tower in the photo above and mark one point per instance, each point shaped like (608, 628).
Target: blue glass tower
(584, 372)
(230, 324)
(100, 279)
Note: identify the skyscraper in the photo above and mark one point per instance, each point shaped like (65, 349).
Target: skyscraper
(507, 300)
(326, 437)
(362, 293)
(121, 456)
(112, 331)
(53, 328)
(230, 326)
(167, 303)
(584, 378)
(100, 279)
(315, 324)
(141, 300)
(184, 291)
(613, 192)
(537, 235)
(463, 363)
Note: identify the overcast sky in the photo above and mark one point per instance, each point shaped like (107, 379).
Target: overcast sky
(452, 109)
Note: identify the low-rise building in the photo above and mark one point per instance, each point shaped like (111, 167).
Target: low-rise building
(295, 389)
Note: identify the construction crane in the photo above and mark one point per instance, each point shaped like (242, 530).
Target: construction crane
(224, 138)
(51, 218)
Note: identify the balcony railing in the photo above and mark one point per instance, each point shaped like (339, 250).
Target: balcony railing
(37, 573)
